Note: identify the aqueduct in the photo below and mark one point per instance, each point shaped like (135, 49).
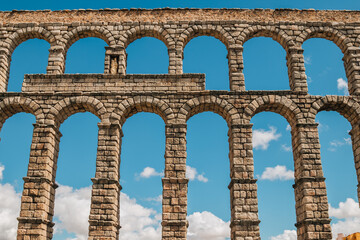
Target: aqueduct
(114, 96)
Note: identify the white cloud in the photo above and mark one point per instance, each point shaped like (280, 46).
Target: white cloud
(288, 127)
(336, 143)
(307, 60)
(192, 174)
(286, 148)
(346, 209)
(348, 141)
(69, 201)
(309, 79)
(348, 226)
(150, 172)
(262, 138)
(322, 127)
(157, 199)
(342, 85)
(286, 235)
(2, 168)
(349, 211)
(9, 211)
(207, 226)
(277, 173)
(138, 222)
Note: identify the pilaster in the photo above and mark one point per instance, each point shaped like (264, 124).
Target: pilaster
(37, 201)
(296, 69)
(352, 68)
(175, 184)
(243, 189)
(355, 139)
(236, 67)
(56, 61)
(5, 59)
(104, 217)
(310, 191)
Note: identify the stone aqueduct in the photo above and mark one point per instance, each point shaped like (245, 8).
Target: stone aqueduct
(114, 96)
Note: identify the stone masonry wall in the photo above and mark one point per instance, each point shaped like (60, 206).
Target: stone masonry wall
(115, 96)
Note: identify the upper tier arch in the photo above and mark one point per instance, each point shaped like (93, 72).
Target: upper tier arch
(87, 31)
(205, 30)
(138, 32)
(25, 34)
(273, 32)
(331, 34)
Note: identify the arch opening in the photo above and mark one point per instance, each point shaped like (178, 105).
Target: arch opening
(208, 55)
(274, 169)
(15, 142)
(142, 59)
(337, 150)
(324, 68)
(265, 65)
(141, 170)
(29, 57)
(208, 171)
(86, 55)
(75, 168)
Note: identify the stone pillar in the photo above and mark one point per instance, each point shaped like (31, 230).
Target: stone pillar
(296, 69)
(236, 67)
(175, 60)
(351, 63)
(115, 60)
(105, 210)
(5, 59)
(355, 137)
(310, 191)
(37, 201)
(175, 183)
(56, 62)
(243, 189)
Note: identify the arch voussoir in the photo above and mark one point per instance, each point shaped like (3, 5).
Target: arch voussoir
(131, 106)
(13, 105)
(272, 103)
(344, 105)
(69, 106)
(212, 104)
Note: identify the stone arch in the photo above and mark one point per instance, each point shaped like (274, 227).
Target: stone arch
(8, 46)
(146, 31)
(273, 32)
(87, 31)
(13, 105)
(211, 104)
(69, 106)
(22, 35)
(331, 34)
(131, 106)
(344, 105)
(205, 30)
(277, 104)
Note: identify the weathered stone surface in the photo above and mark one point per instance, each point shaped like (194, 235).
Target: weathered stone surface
(115, 96)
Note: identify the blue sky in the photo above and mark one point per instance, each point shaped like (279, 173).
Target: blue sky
(142, 151)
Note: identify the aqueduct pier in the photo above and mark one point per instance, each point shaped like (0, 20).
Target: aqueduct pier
(114, 96)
